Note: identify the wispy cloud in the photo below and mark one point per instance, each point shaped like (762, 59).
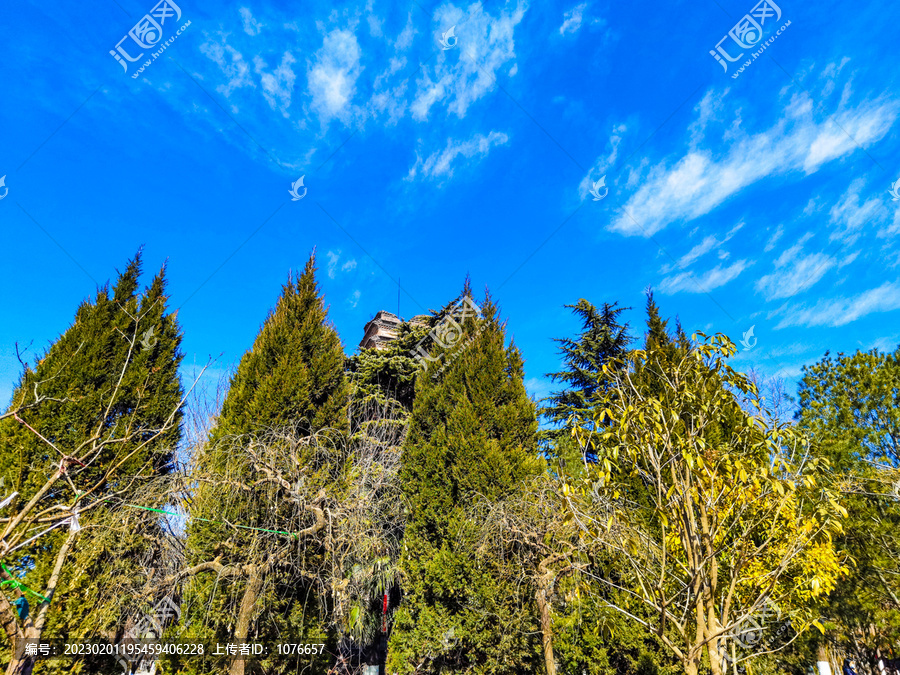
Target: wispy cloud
(794, 271)
(277, 85)
(251, 25)
(332, 266)
(774, 238)
(702, 179)
(572, 19)
(440, 163)
(841, 311)
(688, 282)
(709, 243)
(851, 214)
(463, 75)
(232, 64)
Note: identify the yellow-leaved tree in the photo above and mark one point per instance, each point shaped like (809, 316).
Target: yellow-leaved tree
(718, 516)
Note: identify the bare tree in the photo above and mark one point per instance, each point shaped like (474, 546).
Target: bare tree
(57, 503)
(527, 529)
(342, 492)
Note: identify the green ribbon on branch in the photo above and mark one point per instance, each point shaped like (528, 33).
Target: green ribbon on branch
(15, 584)
(215, 522)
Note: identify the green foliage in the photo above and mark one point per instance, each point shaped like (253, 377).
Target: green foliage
(602, 341)
(293, 377)
(294, 372)
(384, 380)
(851, 404)
(110, 382)
(472, 433)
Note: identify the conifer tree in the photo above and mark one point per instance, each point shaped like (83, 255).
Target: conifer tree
(106, 394)
(472, 436)
(851, 404)
(602, 341)
(292, 377)
(385, 378)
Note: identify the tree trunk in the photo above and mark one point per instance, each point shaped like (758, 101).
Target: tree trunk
(543, 603)
(715, 658)
(248, 604)
(690, 666)
(25, 664)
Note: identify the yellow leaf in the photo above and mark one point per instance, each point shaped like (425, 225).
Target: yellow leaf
(819, 626)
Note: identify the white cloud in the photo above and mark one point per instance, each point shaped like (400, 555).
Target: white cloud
(353, 300)
(405, 39)
(701, 180)
(331, 266)
(334, 258)
(463, 75)
(231, 63)
(830, 75)
(841, 311)
(688, 282)
(251, 25)
(604, 163)
(440, 163)
(332, 75)
(277, 85)
(707, 110)
(538, 387)
(794, 272)
(709, 243)
(572, 19)
(774, 238)
(851, 216)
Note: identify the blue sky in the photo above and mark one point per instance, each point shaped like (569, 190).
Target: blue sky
(443, 139)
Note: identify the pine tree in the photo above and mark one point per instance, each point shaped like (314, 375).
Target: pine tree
(851, 404)
(292, 377)
(472, 436)
(602, 341)
(111, 377)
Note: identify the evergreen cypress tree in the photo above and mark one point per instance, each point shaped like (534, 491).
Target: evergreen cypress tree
(292, 376)
(111, 376)
(602, 341)
(385, 379)
(472, 436)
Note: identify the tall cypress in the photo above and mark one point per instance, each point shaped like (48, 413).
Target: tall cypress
(472, 436)
(292, 377)
(111, 375)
